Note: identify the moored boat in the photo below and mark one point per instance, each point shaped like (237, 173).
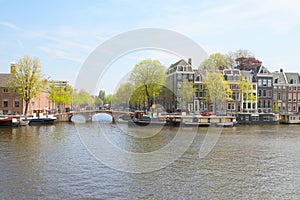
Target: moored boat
(8, 122)
(47, 119)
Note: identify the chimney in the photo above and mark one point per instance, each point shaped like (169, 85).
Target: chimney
(190, 61)
(13, 67)
(281, 70)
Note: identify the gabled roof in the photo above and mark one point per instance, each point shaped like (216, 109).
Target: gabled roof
(263, 70)
(279, 78)
(3, 79)
(181, 62)
(292, 77)
(180, 65)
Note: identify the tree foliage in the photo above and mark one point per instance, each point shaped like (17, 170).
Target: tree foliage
(246, 90)
(27, 80)
(216, 61)
(147, 77)
(123, 94)
(186, 92)
(61, 94)
(218, 89)
(83, 98)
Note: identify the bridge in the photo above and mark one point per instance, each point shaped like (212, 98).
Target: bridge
(88, 114)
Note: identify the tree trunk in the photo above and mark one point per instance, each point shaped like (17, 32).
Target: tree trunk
(26, 108)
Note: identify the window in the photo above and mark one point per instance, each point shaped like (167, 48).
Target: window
(269, 93)
(298, 97)
(294, 107)
(294, 97)
(290, 96)
(275, 96)
(269, 83)
(191, 77)
(264, 93)
(283, 106)
(229, 106)
(279, 96)
(254, 87)
(295, 88)
(5, 103)
(283, 96)
(17, 104)
(259, 82)
(289, 107)
(264, 82)
(5, 90)
(259, 93)
(269, 104)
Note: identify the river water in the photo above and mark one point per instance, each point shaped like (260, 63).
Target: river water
(247, 162)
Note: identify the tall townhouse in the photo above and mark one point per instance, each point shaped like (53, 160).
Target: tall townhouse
(293, 92)
(201, 93)
(265, 90)
(233, 78)
(280, 88)
(176, 73)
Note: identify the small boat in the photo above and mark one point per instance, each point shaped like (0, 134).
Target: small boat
(141, 119)
(23, 123)
(45, 119)
(9, 122)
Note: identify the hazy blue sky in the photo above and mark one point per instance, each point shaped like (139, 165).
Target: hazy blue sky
(63, 33)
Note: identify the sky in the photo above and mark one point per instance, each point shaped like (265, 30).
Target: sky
(62, 34)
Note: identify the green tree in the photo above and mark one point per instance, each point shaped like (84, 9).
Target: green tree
(109, 99)
(101, 95)
(218, 89)
(148, 76)
(123, 94)
(275, 107)
(83, 98)
(216, 61)
(27, 80)
(246, 90)
(186, 93)
(60, 95)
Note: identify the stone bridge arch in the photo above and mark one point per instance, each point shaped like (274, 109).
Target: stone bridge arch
(88, 115)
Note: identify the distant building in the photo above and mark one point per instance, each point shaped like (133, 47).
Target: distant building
(11, 102)
(176, 73)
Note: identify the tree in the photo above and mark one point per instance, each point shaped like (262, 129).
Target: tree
(60, 95)
(101, 95)
(148, 76)
(186, 93)
(240, 53)
(275, 107)
(27, 80)
(246, 90)
(216, 61)
(218, 89)
(83, 98)
(123, 94)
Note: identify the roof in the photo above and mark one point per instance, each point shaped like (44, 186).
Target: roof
(4, 79)
(180, 65)
(292, 77)
(278, 78)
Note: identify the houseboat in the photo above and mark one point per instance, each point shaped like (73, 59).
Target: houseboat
(257, 118)
(291, 118)
(38, 117)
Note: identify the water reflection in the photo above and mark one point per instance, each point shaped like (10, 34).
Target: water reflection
(248, 162)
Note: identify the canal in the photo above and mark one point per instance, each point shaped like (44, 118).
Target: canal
(53, 162)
